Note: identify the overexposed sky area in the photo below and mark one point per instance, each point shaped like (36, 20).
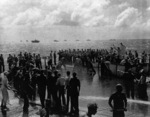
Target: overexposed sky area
(74, 19)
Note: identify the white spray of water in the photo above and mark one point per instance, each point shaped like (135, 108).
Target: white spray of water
(106, 98)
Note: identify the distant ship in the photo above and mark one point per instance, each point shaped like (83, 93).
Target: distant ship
(35, 41)
(77, 40)
(56, 41)
(65, 40)
(112, 40)
(88, 40)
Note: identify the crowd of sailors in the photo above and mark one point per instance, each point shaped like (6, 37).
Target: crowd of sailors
(132, 79)
(114, 56)
(27, 76)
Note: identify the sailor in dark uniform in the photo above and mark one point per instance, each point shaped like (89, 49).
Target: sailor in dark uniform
(119, 102)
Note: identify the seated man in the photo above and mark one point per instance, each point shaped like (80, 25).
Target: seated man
(92, 110)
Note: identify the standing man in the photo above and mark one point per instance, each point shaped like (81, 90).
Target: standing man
(50, 85)
(75, 89)
(25, 90)
(41, 82)
(39, 61)
(9, 61)
(68, 78)
(51, 54)
(4, 88)
(50, 65)
(142, 86)
(119, 102)
(15, 60)
(61, 91)
(2, 63)
(55, 58)
(128, 78)
(33, 84)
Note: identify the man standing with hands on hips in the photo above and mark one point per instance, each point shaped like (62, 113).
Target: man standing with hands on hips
(119, 102)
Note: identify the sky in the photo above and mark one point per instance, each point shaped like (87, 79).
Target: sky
(48, 20)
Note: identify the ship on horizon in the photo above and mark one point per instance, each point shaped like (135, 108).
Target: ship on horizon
(88, 40)
(35, 41)
(112, 40)
(56, 41)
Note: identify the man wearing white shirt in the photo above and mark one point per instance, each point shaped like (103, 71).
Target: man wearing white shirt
(61, 90)
(68, 77)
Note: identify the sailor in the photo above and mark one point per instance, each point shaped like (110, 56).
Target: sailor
(50, 63)
(119, 102)
(49, 85)
(55, 57)
(9, 61)
(4, 88)
(26, 91)
(128, 78)
(61, 90)
(142, 86)
(33, 83)
(41, 82)
(68, 78)
(75, 89)
(2, 63)
(92, 110)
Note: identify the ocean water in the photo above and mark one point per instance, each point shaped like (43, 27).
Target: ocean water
(44, 48)
(131, 44)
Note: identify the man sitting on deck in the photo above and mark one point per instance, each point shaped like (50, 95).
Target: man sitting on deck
(92, 110)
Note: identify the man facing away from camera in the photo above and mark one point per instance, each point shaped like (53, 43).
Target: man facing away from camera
(75, 90)
(68, 92)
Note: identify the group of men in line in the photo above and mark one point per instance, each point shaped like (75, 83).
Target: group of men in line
(27, 58)
(114, 55)
(24, 59)
(109, 54)
(102, 56)
(87, 56)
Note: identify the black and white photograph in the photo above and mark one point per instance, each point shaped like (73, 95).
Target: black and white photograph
(74, 58)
